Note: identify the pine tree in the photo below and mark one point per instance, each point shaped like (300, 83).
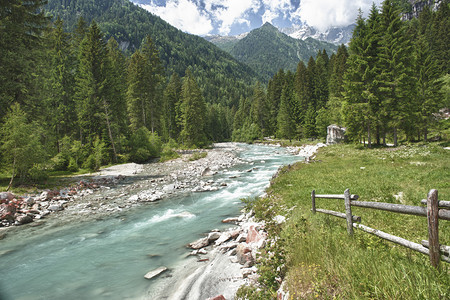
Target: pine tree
(91, 83)
(396, 81)
(274, 89)
(302, 90)
(60, 84)
(193, 113)
(21, 27)
(144, 94)
(171, 103)
(285, 120)
(259, 110)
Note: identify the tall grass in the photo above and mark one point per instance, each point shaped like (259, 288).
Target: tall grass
(322, 261)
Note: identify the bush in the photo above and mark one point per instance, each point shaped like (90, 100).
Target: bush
(38, 173)
(144, 145)
(73, 166)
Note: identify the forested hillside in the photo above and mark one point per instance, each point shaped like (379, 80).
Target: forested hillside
(389, 84)
(129, 24)
(267, 50)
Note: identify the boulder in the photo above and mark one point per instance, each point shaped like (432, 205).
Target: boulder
(55, 207)
(253, 236)
(223, 238)
(23, 219)
(203, 242)
(213, 236)
(230, 220)
(244, 254)
(6, 197)
(29, 201)
(335, 134)
(155, 272)
(220, 297)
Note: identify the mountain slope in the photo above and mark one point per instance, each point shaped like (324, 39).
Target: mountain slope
(222, 78)
(334, 35)
(267, 50)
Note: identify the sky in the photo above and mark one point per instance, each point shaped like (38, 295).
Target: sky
(232, 17)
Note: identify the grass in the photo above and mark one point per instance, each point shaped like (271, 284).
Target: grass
(317, 257)
(197, 155)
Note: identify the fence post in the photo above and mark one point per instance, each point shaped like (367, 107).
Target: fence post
(433, 227)
(348, 212)
(313, 200)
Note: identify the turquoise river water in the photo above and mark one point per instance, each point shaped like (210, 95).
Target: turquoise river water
(107, 258)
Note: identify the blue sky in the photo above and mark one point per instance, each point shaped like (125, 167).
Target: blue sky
(231, 17)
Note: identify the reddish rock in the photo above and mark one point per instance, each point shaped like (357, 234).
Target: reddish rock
(244, 254)
(220, 297)
(253, 236)
(6, 197)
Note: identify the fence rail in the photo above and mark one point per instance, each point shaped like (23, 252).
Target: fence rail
(434, 211)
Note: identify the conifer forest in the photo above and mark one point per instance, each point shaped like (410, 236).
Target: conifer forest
(72, 96)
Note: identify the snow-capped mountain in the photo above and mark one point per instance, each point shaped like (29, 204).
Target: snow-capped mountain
(335, 35)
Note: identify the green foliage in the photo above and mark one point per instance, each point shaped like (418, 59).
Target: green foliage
(21, 145)
(197, 156)
(321, 260)
(144, 145)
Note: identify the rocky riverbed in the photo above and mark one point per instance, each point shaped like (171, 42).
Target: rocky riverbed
(119, 187)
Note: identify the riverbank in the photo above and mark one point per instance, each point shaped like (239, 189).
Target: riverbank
(229, 258)
(317, 259)
(117, 188)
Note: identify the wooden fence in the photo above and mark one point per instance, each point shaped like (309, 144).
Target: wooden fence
(434, 211)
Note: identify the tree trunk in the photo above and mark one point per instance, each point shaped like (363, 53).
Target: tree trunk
(13, 174)
(378, 134)
(109, 129)
(369, 138)
(395, 136)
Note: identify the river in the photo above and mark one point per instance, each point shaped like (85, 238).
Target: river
(107, 258)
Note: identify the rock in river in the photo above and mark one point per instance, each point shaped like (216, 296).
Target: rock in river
(155, 272)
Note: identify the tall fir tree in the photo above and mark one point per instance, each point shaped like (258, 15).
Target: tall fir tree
(171, 108)
(193, 112)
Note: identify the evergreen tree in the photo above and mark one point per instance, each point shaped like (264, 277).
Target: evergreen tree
(193, 112)
(274, 90)
(145, 87)
(302, 90)
(59, 104)
(286, 122)
(21, 27)
(259, 110)
(396, 81)
(170, 108)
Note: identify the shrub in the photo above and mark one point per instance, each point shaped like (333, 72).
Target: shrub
(144, 145)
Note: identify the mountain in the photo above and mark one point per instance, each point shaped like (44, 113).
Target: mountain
(222, 78)
(266, 50)
(227, 42)
(334, 35)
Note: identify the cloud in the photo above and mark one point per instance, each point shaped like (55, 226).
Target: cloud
(182, 14)
(276, 8)
(323, 14)
(229, 12)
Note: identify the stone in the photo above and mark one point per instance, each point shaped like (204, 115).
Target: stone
(220, 297)
(230, 220)
(223, 238)
(55, 207)
(335, 134)
(244, 253)
(6, 197)
(241, 238)
(29, 201)
(203, 242)
(155, 272)
(213, 236)
(24, 219)
(253, 236)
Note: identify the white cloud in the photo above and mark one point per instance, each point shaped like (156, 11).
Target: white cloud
(229, 12)
(182, 14)
(324, 14)
(276, 8)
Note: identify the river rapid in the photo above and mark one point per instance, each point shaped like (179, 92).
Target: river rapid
(106, 257)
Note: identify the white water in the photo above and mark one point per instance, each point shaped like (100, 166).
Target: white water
(108, 258)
